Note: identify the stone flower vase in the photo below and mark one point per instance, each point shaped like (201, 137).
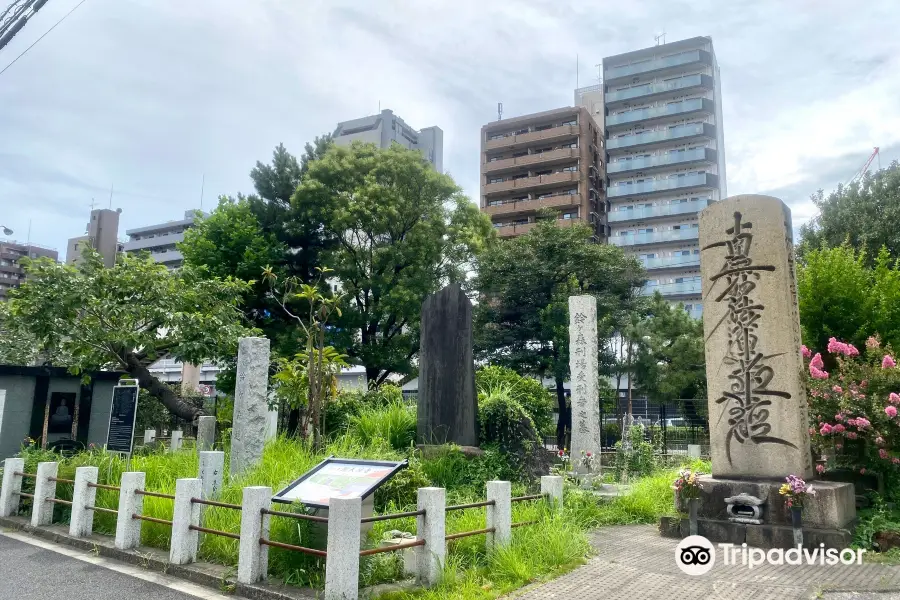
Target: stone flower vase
(693, 507)
(797, 524)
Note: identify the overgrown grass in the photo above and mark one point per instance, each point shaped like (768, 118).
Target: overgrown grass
(394, 422)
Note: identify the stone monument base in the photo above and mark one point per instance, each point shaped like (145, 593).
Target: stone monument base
(752, 511)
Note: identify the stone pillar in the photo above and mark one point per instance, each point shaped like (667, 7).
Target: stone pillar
(81, 522)
(175, 440)
(2, 408)
(584, 373)
(552, 488)
(12, 485)
(206, 433)
(694, 450)
(342, 562)
(44, 490)
(128, 529)
(499, 514)
(253, 557)
(757, 401)
(447, 409)
(149, 436)
(272, 423)
(183, 545)
(432, 528)
(248, 434)
(212, 469)
(190, 378)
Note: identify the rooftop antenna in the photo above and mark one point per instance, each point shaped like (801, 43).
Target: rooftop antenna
(110, 195)
(661, 36)
(576, 71)
(599, 72)
(499, 111)
(93, 203)
(202, 185)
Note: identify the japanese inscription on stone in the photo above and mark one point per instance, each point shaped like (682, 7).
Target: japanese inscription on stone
(583, 375)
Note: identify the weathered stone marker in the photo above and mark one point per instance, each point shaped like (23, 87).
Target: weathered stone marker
(206, 433)
(757, 402)
(248, 435)
(583, 368)
(447, 407)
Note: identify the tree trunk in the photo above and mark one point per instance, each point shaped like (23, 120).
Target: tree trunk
(630, 377)
(160, 391)
(564, 414)
(293, 425)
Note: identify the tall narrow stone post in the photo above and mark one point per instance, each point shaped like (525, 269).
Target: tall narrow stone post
(432, 528)
(584, 370)
(176, 440)
(206, 433)
(81, 522)
(253, 557)
(12, 486)
(149, 436)
(184, 542)
(212, 470)
(44, 491)
(552, 488)
(342, 562)
(499, 514)
(128, 529)
(248, 434)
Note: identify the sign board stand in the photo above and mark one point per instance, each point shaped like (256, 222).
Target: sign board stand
(122, 418)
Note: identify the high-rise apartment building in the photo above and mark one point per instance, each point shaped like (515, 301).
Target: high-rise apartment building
(386, 128)
(159, 240)
(550, 159)
(102, 234)
(12, 274)
(665, 158)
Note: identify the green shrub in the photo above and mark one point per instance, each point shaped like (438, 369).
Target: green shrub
(641, 460)
(394, 422)
(528, 392)
(340, 409)
(403, 488)
(502, 420)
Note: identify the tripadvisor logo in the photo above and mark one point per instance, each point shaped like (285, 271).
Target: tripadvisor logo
(695, 555)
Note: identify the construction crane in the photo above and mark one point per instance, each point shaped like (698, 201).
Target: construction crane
(14, 17)
(865, 167)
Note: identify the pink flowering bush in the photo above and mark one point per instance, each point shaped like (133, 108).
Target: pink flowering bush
(854, 409)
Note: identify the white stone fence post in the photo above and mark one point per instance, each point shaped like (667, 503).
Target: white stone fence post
(44, 494)
(12, 486)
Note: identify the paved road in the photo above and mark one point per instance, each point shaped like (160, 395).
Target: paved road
(635, 563)
(30, 572)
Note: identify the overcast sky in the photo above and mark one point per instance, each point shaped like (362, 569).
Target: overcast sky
(151, 95)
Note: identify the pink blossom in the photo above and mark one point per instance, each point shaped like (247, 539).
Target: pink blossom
(817, 361)
(839, 417)
(862, 471)
(895, 460)
(838, 446)
(825, 429)
(837, 389)
(820, 468)
(806, 352)
(812, 431)
(879, 440)
(872, 343)
(836, 347)
(864, 383)
(893, 398)
(851, 422)
(817, 373)
(838, 428)
(890, 411)
(882, 453)
(863, 423)
(851, 435)
(888, 362)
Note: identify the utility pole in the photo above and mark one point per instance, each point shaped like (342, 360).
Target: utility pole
(14, 17)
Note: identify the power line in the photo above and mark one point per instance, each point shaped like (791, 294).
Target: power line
(64, 17)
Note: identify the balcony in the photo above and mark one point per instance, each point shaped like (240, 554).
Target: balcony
(655, 186)
(517, 206)
(156, 241)
(638, 239)
(681, 134)
(524, 183)
(522, 139)
(560, 154)
(662, 161)
(682, 84)
(658, 64)
(671, 262)
(685, 288)
(642, 115)
(513, 230)
(666, 210)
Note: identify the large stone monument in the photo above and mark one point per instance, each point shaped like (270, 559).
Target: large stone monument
(757, 401)
(251, 408)
(447, 406)
(583, 369)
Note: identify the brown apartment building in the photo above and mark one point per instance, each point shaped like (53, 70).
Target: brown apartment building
(550, 159)
(11, 272)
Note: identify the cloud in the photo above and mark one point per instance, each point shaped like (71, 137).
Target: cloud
(152, 96)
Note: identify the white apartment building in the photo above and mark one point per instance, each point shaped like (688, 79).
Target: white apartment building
(665, 158)
(159, 240)
(386, 128)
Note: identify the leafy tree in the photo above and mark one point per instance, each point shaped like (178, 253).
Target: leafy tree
(402, 231)
(527, 391)
(125, 317)
(865, 214)
(671, 365)
(522, 316)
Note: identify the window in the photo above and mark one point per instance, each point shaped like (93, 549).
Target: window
(648, 205)
(496, 180)
(685, 253)
(493, 159)
(539, 173)
(647, 230)
(696, 250)
(648, 255)
(679, 280)
(676, 226)
(572, 168)
(695, 225)
(572, 122)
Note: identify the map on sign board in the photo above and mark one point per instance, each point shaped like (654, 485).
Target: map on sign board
(338, 478)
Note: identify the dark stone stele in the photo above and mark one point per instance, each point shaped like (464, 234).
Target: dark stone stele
(447, 404)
